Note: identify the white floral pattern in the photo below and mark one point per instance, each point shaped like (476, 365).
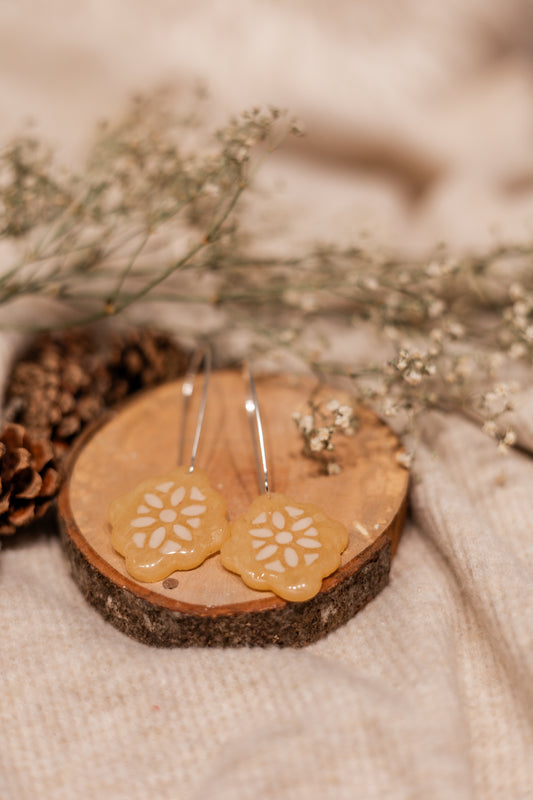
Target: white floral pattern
(284, 546)
(168, 524)
(288, 538)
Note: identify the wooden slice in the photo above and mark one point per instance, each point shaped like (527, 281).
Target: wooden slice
(209, 605)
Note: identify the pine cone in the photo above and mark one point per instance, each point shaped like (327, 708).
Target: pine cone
(141, 358)
(64, 381)
(58, 387)
(29, 478)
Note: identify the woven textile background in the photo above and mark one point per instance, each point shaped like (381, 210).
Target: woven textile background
(420, 118)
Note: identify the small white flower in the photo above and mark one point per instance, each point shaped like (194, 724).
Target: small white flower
(306, 423)
(413, 377)
(510, 437)
(333, 468)
(402, 362)
(389, 407)
(316, 444)
(517, 351)
(298, 128)
(490, 428)
(342, 422)
(404, 459)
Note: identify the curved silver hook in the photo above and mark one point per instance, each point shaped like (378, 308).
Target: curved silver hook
(258, 439)
(202, 354)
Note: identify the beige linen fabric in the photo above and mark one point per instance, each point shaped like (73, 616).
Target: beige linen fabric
(426, 693)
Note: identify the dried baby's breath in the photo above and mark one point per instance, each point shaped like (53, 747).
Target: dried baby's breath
(99, 241)
(320, 425)
(149, 213)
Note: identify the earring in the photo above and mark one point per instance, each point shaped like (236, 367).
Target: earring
(176, 520)
(280, 544)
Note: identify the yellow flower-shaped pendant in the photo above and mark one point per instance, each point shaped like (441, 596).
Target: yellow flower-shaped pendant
(284, 546)
(171, 522)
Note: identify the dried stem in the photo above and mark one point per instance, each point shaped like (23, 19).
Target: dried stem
(98, 243)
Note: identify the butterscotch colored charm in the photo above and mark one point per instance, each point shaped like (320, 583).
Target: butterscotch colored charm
(284, 546)
(172, 522)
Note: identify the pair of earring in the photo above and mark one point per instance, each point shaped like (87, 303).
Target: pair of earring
(175, 521)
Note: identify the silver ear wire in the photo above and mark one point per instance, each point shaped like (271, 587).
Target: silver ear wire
(258, 439)
(202, 354)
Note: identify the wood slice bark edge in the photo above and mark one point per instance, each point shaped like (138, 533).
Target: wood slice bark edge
(152, 619)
